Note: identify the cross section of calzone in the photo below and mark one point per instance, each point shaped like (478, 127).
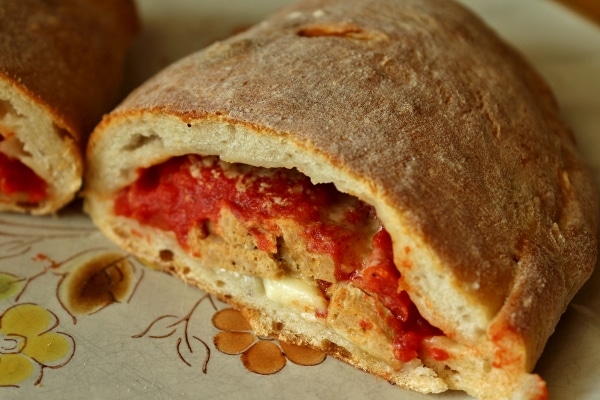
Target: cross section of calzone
(385, 180)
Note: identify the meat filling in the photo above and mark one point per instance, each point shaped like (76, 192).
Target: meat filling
(194, 197)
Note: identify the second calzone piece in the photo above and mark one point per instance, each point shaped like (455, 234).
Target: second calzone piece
(61, 67)
(385, 180)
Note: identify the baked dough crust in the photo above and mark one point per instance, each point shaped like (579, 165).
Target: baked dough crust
(417, 108)
(61, 68)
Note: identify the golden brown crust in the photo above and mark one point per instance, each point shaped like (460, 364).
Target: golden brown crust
(61, 68)
(67, 55)
(428, 116)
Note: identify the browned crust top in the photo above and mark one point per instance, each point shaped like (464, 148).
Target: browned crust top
(68, 55)
(444, 120)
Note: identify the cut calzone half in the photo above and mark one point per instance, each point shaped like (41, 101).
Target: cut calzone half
(385, 180)
(61, 67)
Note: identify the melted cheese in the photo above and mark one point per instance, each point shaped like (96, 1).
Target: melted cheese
(295, 292)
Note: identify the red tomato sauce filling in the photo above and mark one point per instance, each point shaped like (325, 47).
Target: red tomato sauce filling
(186, 191)
(17, 178)
(380, 278)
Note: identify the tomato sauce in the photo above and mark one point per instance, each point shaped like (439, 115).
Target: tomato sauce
(187, 191)
(16, 179)
(380, 278)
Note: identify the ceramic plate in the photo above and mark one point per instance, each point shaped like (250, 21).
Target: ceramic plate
(95, 323)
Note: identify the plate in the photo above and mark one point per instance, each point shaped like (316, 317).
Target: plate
(94, 322)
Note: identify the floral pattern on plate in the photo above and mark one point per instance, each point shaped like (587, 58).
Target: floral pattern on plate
(30, 342)
(84, 281)
(260, 355)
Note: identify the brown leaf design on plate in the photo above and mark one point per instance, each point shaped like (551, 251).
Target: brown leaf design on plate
(96, 280)
(162, 327)
(189, 347)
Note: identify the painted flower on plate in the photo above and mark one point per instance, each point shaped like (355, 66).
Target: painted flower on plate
(260, 355)
(29, 343)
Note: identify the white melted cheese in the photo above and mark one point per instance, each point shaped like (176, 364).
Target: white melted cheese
(294, 292)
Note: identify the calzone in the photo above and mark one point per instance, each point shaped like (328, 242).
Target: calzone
(385, 180)
(61, 67)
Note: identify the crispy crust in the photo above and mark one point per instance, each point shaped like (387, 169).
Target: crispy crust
(61, 68)
(429, 117)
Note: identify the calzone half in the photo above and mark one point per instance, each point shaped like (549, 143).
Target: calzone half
(61, 67)
(386, 180)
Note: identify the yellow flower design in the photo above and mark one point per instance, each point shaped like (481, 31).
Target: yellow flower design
(28, 344)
